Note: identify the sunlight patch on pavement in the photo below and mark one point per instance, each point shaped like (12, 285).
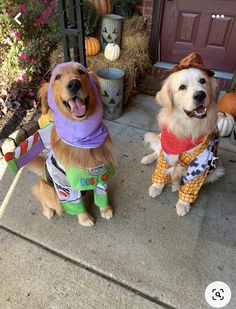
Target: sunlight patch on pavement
(3, 167)
(10, 191)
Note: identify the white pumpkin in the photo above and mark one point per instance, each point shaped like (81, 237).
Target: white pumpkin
(225, 123)
(112, 51)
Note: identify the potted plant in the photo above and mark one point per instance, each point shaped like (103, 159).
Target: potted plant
(123, 8)
(91, 16)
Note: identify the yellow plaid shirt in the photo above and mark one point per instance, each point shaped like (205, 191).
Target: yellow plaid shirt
(189, 191)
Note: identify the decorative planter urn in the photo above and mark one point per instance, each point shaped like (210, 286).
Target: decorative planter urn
(111, 29)
(112, 84)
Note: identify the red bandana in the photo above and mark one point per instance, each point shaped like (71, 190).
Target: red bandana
(174, 145)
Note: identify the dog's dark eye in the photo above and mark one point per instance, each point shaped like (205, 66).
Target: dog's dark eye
(58, 76)
(182, 87)
(202, 81)
(81, 71)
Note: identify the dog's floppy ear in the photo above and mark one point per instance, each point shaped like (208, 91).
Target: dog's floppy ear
(164, 96)
(214, 87)
(96, 80)
(43, 96)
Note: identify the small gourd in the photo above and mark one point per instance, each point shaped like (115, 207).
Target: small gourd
(112, 51)
(92, 46)
(227, 103)
(225, 123)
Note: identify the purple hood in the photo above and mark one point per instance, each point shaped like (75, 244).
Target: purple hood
(88, 133)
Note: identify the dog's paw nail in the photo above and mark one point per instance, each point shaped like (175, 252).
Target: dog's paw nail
(174, 188)
(49, 213)
(182, 209)
(87, 222)
(106, 213)
(86, 219)
(144, 161)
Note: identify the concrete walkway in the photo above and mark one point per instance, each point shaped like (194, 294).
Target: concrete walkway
(145, 257)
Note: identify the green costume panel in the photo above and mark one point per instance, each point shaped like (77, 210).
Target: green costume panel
(70, 182)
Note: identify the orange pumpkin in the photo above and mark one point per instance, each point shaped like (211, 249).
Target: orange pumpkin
(92, 46)
(102, 6)
(227, 103)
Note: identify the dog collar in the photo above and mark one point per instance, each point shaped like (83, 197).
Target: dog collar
(88, 133)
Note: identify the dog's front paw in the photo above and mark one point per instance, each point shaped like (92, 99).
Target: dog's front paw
(156, 189)
(145, 160)
(48, 212)
(86, 219)
(175, 186)
(106, 212)
(182, 207)
(149, 159)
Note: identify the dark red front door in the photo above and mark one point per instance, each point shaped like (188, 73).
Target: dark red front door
(205, 26)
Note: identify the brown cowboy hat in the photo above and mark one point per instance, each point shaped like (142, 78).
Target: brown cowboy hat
(193, 60)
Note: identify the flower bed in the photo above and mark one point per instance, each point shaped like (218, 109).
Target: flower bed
(25, 48)
(24, 54)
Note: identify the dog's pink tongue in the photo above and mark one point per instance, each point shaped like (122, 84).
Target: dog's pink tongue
(201, 110)
(77, 107)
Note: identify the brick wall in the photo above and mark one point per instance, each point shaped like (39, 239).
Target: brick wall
(145, 8)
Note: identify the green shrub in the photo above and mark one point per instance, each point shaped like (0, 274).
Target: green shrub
(91, 17)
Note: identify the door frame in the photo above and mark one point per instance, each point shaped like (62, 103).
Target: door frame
(157, 15)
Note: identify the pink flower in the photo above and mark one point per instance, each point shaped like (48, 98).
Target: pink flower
(12, 34)
(23, 77)
(43, 81)
(39, 21)
(9, 11)
(7, 40)
(24, 56)
(34, 103)
(49, 12)
(22, 8)
(17, 35)
(31, 58)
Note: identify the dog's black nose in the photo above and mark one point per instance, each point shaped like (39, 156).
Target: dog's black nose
(74, 85)
(199, 96)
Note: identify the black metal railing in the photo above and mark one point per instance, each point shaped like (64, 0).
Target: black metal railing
(72, 27)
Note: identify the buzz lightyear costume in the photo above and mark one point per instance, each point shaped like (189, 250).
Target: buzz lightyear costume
(69, 182)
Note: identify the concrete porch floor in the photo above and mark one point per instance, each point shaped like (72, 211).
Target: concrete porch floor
(145, 257)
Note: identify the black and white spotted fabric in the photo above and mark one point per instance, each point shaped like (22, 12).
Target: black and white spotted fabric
(207, 159)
